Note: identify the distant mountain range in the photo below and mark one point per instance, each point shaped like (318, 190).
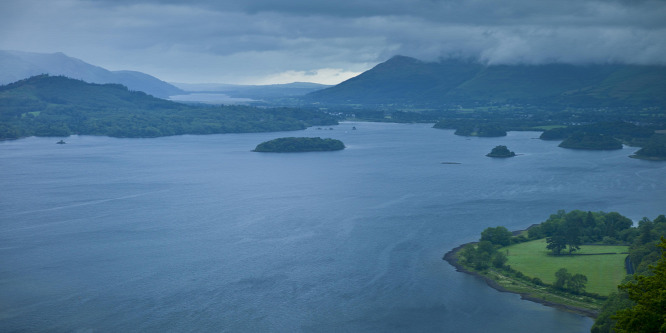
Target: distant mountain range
(254, 92)
(408, 81)
(15, 65)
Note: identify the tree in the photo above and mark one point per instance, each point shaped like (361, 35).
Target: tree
(562, 277)
(556, 243)
(577, 283)
(498, 236)
(499, 259)
(479, 256)
(468, 254)
(649, 293)
(564, 280)
(571, 230)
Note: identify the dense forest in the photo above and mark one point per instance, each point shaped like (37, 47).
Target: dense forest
(291, 145)
(58, 106)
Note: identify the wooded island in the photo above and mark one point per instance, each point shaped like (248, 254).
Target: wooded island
(501, 151)
(292, 145)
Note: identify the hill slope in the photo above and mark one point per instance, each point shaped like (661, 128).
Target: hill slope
(59, 106)
(407, 81)
(16, 66)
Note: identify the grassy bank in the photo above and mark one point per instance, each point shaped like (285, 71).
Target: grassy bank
(603, 265)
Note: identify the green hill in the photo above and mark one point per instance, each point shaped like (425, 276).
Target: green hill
(58, 106)
(407, 81)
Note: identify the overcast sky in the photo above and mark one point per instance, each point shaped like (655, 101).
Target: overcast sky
(279, 41)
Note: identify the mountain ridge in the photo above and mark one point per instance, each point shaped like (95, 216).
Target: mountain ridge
(409, 81)
(18, 65)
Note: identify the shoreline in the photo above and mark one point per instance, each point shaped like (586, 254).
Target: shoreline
(451, 258)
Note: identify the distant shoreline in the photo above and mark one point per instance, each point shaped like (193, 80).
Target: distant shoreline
(452, 258)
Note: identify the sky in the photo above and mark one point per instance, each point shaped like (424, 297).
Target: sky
(282, 41)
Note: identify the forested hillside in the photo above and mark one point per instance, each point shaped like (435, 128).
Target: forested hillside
(409, 82)
(58, 106)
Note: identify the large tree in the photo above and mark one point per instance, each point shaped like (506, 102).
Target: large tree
(556, 243)
(566, 234)
(572, 231)
(562, 277)
(649, 293)
(498, 236)
(577, 283)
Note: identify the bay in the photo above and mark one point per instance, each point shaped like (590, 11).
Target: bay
(198, 233)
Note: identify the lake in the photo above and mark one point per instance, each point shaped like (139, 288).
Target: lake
(198, 233)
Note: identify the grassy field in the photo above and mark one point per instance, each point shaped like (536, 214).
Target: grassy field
(604, 272)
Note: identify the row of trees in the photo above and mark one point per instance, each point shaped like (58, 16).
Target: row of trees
(483, 255)
(646, 254)
(567, 231)
(567, 281)
(648, 294)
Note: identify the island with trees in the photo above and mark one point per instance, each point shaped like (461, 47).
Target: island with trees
(292, 145)
(501, 151)
(576, 261)
(653, 151)
(591, 141)
(485, 130)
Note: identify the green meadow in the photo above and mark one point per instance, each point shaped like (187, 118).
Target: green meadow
(604, 271)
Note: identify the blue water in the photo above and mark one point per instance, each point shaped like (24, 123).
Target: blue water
(198, 233)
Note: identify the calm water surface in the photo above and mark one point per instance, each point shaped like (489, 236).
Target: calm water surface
(198, 233)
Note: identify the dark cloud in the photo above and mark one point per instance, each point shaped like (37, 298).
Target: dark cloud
(256, 40)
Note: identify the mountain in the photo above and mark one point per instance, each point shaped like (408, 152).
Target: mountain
(408, 81)
(15, 65)
(46, 105)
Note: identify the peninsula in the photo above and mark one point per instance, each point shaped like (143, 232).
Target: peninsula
(572, 261)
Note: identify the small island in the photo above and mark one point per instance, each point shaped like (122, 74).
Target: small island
(293, 145)
(501, 151)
